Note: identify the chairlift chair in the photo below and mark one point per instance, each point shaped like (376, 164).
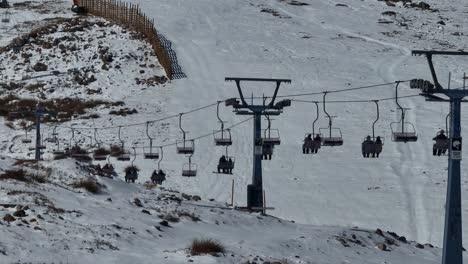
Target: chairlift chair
(184, 146)
(26, 139)
(312, 145)
(54, 136)
(159, 175)
(226, 167)
(108, 168)
(79, 154)
(151, 154)
(372, 146)
(270, 136)
(100, 153)
(189, 169)
(131, 172)
(6, 17)
(333, 137)
(226, 164)
(267, 151)
(406, 134)
(402, 131)
(124, 155)
(222, 137)
(312, 141)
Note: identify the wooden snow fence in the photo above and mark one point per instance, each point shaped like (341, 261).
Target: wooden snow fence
(130, 16)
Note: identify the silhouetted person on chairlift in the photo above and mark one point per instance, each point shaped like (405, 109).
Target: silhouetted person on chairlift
(267, 151)
(230, 166)
(158, 176)
(378, 140)
(378, 143)
(222, 164)
(367, 146)
(307, 144)
(441, 140)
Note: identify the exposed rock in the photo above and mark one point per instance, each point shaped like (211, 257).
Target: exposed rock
(164, 223)
(379, 232)
(20, 213)
(39, 67)
(389, 13)
(381, 246)
(419, 246)
(9, 218)
(145, 211)
(137, 202)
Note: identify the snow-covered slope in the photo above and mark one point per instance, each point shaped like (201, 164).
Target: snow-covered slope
(125, 224)
(321, 47)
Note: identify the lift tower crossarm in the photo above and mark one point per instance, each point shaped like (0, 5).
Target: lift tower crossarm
(429, 54)
(239, 89)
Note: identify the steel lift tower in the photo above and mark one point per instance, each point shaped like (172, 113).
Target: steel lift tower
(255, 190)
(452, 247)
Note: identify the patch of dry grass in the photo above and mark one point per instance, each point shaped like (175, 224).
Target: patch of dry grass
(206, 246)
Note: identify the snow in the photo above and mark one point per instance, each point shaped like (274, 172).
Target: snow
(321, 47)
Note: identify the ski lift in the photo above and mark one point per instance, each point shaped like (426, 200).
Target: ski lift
(222, 137)
(159, 175)
(226, 163)
(372, 147)
(189, 169)
(124, 155)
(131, 172)
(26, 139)
(312, 142)
(150, 154)
(100, 153)
(270, 136)
(334, 136)
(184, 146)
(407, 133)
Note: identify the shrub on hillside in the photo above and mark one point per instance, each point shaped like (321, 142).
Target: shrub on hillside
(88, 184)
(206, 246)
(19, 175)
